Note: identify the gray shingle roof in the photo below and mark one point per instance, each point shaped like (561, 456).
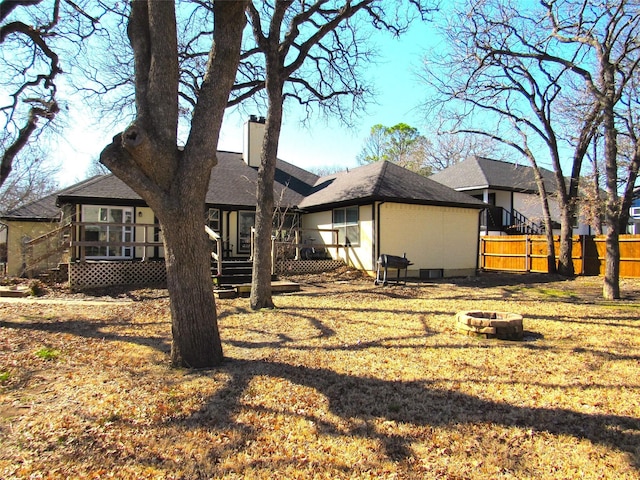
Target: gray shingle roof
(232, 184)
(383, 181)
(43, 209)
(479, 172)
(101, 188)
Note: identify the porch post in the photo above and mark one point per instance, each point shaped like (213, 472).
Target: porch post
(273, 255)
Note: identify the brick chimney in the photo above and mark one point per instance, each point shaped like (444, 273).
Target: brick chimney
(253, 137)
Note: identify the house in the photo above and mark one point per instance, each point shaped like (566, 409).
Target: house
(353, 216)
(511, 191)
(382, 208)
(37, 219)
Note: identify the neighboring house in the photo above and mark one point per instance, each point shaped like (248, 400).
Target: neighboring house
(510, 190)
(634, 213)
(36, 219)
(355, 216)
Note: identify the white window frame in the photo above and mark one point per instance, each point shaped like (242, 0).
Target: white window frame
(213, 219)
(104, 214)
(346, 225)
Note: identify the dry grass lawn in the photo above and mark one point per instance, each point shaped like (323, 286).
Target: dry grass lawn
(342, 380)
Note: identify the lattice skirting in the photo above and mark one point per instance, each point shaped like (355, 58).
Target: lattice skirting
(87, 275)
(298, 267)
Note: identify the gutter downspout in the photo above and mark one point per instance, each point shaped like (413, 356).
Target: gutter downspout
(376, 225)
(478, 242)
(5, 227)
(228, 232)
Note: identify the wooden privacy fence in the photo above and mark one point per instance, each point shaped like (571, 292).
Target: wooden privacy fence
(528, 253)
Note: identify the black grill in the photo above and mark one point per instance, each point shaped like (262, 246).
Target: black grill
(385, 262)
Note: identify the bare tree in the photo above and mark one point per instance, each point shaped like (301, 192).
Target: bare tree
(604, 39)
(629, 129)
(33, 176)
(516, 76)
(33, 36)
(592, 201)
(173, 181)
(374, 146)
(96, 168)
(448, 148)
(314, 49)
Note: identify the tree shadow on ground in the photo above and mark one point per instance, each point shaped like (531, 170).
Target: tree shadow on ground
(88, 328)
(361, 400)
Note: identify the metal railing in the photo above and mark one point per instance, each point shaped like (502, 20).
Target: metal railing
(503, 220)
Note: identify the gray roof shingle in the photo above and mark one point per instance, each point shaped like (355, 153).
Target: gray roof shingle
(232, 184)
(43, 209)
(479, 172)
(383, 181)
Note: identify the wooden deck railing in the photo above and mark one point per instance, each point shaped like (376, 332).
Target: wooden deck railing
(40, 250)
(217, 253)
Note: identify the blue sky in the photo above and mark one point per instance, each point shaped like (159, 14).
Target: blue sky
(324, 144)
(332, 144)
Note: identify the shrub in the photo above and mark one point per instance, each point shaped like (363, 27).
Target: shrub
(36, 288)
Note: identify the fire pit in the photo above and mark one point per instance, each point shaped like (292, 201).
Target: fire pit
(502, 325)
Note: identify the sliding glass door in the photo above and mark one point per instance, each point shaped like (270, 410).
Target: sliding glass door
(111, 226)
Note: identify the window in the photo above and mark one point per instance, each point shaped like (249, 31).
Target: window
(113, 232)
(213, 219)
(346, 221)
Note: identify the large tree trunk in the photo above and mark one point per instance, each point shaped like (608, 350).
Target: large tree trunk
(174, 183)
(611, 285)
(196, 340)
(261, 295)
(565, 257)
(546, 215)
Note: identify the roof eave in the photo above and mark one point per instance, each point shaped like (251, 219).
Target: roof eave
(73, 200)
(30, 219)
(374, 199)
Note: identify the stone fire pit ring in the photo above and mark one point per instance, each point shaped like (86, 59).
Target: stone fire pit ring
(487, 324)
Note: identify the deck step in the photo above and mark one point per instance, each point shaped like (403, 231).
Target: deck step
(278, 286)
(244, 290)
(234, 272)
(233, 267)
(230, 279)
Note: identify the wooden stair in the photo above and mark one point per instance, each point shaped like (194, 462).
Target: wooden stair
(235, 279)
(234, 271)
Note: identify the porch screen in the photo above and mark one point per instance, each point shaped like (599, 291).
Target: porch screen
(346, 221)
(110, 227)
